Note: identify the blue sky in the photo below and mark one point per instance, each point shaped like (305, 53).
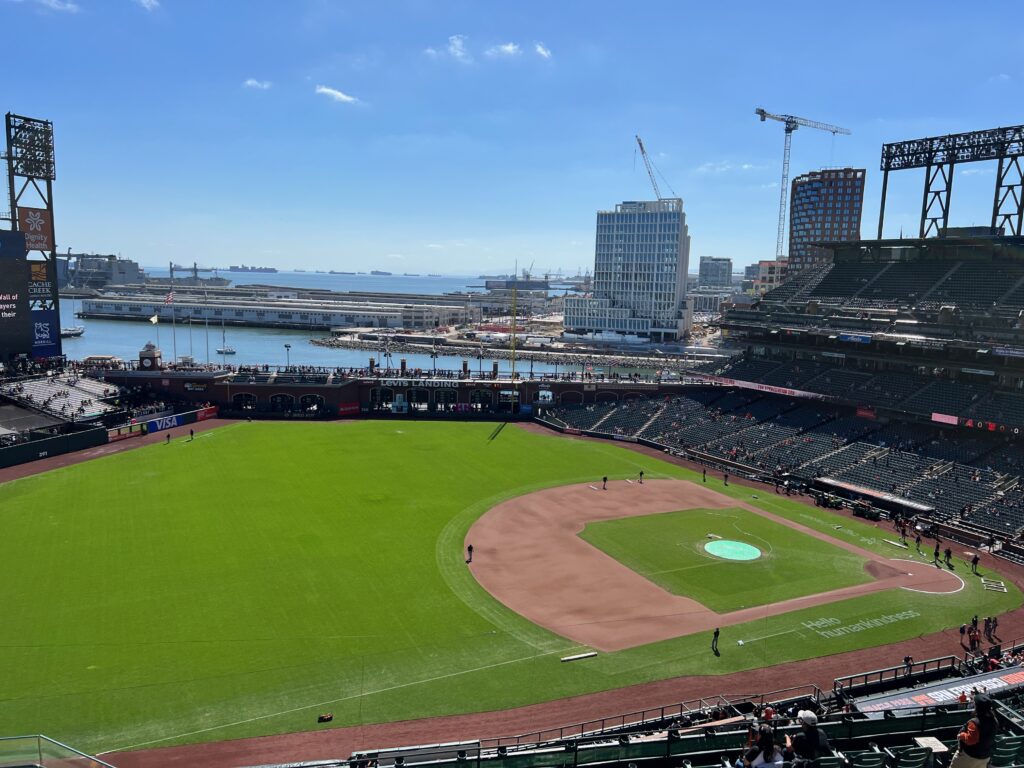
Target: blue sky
(459, 137)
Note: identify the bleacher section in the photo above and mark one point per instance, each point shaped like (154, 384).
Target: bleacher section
(68, 397)
(971, 479)
(842, 282)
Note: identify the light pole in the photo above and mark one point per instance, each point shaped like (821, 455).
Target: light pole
(288, 355)
(433, 358)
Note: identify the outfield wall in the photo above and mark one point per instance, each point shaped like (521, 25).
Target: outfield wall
(52, 446)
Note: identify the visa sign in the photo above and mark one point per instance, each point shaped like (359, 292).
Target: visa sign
(164, 422)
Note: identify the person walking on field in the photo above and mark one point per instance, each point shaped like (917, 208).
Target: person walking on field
(704, 474)
(714, 642)
(469, 553)
(917, 541)
(974, 562)
(725, 477)
(641, 477)
(977, 736)
(604, 483)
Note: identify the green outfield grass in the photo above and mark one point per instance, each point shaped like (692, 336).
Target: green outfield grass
(668, 549)
(244, 582)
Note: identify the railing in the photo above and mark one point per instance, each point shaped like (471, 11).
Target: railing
(43, 752)
(850, 683)
(654, 716)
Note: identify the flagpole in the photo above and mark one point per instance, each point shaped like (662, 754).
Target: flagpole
(174, 327)
(206, 319)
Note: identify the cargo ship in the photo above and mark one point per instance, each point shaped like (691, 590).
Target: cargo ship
(244, 268)
(379, 273)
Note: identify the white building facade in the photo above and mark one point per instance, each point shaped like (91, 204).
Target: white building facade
(641, 258)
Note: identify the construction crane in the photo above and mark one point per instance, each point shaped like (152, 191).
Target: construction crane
(791, 123)
(650, 168)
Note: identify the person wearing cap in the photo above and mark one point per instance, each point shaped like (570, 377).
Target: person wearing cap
(977, 736)
(811, 742)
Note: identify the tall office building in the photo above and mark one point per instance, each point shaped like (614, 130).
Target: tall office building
(715, 272)
(826, 205)
(641, 258)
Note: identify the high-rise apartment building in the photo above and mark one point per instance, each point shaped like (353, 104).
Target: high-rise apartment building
(641, 258)
(825, 205)
(715, 272)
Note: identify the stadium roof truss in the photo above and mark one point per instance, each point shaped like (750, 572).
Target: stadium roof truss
(939, 156)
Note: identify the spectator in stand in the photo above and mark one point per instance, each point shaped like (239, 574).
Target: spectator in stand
(977, 736)
(764, 752)
(811, 743)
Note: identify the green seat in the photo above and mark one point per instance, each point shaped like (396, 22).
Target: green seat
(867, 759)
(913, 757)
(830, 762)
(1007, 751)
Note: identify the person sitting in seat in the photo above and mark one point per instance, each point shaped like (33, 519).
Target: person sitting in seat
(764, 752)
(811, 743)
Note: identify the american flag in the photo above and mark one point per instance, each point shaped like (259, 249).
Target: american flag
(169, 298)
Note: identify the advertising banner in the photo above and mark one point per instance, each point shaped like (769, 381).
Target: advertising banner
(769, 388)
(164, 422)
(123, 433)
(206, 413)
(943, 418)
(15, 319)
(856, 338)
(12, 245)
(37, 226)
(45, 333)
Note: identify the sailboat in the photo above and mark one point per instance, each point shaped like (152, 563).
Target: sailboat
(224, 349)
(73, 331)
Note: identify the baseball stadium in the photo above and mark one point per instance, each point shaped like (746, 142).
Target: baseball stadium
(215, 565)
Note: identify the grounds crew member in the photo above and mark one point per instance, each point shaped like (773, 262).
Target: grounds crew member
(977, 736)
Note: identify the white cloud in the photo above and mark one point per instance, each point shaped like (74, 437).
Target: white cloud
(396, 256)
(505, 49)
(149, 5)
(1002, 77)
(725, 166)
(435, 246)
(431, 52)
(336, 95)
(259, 85)
(976, 171)
(457, 49)
(65, 6)
(542, 50)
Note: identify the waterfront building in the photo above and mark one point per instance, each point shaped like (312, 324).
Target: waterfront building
(641, 258)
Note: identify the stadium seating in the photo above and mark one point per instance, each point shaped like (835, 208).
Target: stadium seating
(1000, 407)
(949, 397)
(888, 389)
(67, 397)
(842, 281)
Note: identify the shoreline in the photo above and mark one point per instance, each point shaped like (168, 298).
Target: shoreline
(548, 356)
